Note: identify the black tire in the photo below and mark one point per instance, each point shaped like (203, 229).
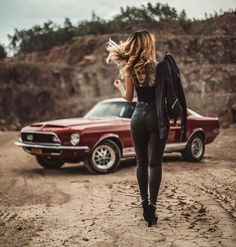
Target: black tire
(195, 148)
(88, 166)
(107, 162)
(49, 162)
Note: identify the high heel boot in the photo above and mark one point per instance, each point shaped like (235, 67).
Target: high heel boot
(145, 209)
(152, 219)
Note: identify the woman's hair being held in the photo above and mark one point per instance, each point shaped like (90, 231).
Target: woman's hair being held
(133, 54)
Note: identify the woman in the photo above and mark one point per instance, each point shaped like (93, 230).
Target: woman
(136, 58)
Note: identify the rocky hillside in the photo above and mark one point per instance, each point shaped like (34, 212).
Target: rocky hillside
(67, 80)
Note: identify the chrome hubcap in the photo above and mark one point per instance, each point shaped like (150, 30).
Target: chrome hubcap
(197, 147)
(103, 157)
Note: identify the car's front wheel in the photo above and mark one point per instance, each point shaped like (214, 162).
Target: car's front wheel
(195, 148)
(49, 162)
(104, 158)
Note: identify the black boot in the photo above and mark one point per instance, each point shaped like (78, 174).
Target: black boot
(152, 219)
(145, 210)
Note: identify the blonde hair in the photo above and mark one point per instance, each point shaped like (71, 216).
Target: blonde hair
(133, 54)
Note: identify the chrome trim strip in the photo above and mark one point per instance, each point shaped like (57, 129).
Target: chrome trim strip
(174, 103)
(170, 147)
(21, 144)
(175, 147)
(128, 151)
(42, 144)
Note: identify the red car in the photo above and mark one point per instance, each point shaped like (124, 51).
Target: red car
(101, 138)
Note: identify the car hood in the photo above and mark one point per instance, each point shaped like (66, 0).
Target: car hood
(69, 122)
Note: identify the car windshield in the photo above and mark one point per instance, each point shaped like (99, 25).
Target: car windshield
(111, 109)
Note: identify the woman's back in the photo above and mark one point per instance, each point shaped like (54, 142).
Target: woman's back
(145, 81)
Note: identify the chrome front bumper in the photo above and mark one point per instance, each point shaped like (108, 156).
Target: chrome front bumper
(57, 147)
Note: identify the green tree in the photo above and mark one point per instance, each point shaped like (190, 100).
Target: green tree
(3, 52)
(41, 38)
(182, 15)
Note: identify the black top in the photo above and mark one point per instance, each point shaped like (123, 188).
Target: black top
(146, 94)
(145, 82)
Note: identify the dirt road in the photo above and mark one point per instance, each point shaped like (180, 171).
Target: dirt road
(70, 207)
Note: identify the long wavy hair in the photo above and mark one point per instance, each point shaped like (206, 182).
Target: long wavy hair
(134, 53)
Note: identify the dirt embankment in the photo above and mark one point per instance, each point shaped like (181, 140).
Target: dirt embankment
(69, 207)
(67, 80)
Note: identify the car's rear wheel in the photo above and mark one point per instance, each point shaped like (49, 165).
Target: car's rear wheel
(49, 162)
(195, 148)
(104, 158)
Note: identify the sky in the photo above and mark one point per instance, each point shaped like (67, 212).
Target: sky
(23, 14)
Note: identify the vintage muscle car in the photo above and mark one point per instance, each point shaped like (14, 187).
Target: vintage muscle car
(101, 138)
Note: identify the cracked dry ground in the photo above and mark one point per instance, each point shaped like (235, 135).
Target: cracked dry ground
(70, 207)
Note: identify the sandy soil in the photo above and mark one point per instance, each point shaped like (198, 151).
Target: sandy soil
(70, 207)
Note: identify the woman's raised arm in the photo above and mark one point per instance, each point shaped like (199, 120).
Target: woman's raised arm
(128, 93)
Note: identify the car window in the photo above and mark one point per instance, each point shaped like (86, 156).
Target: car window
(111, 109)
(191, 112)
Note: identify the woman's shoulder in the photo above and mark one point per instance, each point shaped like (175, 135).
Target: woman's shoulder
(151, 66)
(161, 64)
(156, 64)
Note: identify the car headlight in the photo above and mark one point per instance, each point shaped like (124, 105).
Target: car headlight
(74, 138)
(29, 137)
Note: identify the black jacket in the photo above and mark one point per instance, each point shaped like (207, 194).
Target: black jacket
(170, 97)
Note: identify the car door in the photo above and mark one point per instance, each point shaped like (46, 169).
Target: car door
(174, 131)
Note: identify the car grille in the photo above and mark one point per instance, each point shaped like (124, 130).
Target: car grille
(39, 138)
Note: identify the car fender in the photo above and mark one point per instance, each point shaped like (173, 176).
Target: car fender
(111, 136)
(197, 130)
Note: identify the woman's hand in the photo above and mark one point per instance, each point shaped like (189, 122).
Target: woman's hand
(127, 93)
(118, 84)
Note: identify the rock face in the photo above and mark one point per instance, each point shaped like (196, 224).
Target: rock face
(67, 80)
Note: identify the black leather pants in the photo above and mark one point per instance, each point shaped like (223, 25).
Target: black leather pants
(149, 150)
